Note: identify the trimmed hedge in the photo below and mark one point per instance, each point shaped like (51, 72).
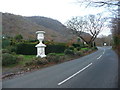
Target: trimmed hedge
(76, 45)
(30, 49)
(26, 49)
(55, 48)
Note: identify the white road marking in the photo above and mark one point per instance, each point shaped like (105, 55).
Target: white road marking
(99, 57)
(104, 51)
(74, 74)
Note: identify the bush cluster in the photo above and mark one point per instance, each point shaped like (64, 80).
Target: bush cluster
(79, 53)
(53, 57)
(69, 52)
(5, 51)
(11, 49)
(8, 59)
(37, 61)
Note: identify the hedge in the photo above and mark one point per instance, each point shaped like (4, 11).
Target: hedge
(55, 48)
(30, 49)
(76, 45)
(5, 43)
(26, 49)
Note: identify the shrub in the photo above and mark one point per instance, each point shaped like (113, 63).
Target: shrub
(41, 61)
(94, 48)
(37, 61)
(11, 48)
(90, 50)
(18, 37)
(5, 51)
(56, 57)
(62, 58)
(29, 63)
(69, 52)
(13, 53)
(71, 48)
(79, 53)
(53, 58)
(78, 48)
(76, 45)
(8, 59)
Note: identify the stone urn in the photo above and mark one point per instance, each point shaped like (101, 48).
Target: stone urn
(40, 46)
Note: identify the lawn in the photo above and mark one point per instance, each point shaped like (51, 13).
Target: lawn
(84, 48)
(26, 58)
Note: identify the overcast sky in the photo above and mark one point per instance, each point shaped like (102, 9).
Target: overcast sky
(61, 10)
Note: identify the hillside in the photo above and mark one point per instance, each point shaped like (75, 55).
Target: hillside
(27, 26)
(55, 25)
(15, 24)
(50, 23)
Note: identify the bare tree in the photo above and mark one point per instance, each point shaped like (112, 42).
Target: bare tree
(91, 24)
(77, 26)
(95, 24)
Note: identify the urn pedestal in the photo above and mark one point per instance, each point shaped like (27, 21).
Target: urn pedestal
(40, 46)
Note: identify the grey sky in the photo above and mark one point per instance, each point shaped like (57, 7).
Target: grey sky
(61, 10)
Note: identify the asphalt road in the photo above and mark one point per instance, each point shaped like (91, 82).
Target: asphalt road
(97, 70)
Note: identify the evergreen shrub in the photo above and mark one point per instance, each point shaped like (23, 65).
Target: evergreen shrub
(8, 59)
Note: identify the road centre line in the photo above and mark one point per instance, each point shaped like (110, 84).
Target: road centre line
(74, 74)
(104, 51)
(99, 57)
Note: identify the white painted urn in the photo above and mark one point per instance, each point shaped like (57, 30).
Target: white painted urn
(40, 46)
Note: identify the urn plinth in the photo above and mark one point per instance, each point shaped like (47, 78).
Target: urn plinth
(40, 46)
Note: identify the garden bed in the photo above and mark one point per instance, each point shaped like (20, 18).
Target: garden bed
(20, 68)
(19, 56)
